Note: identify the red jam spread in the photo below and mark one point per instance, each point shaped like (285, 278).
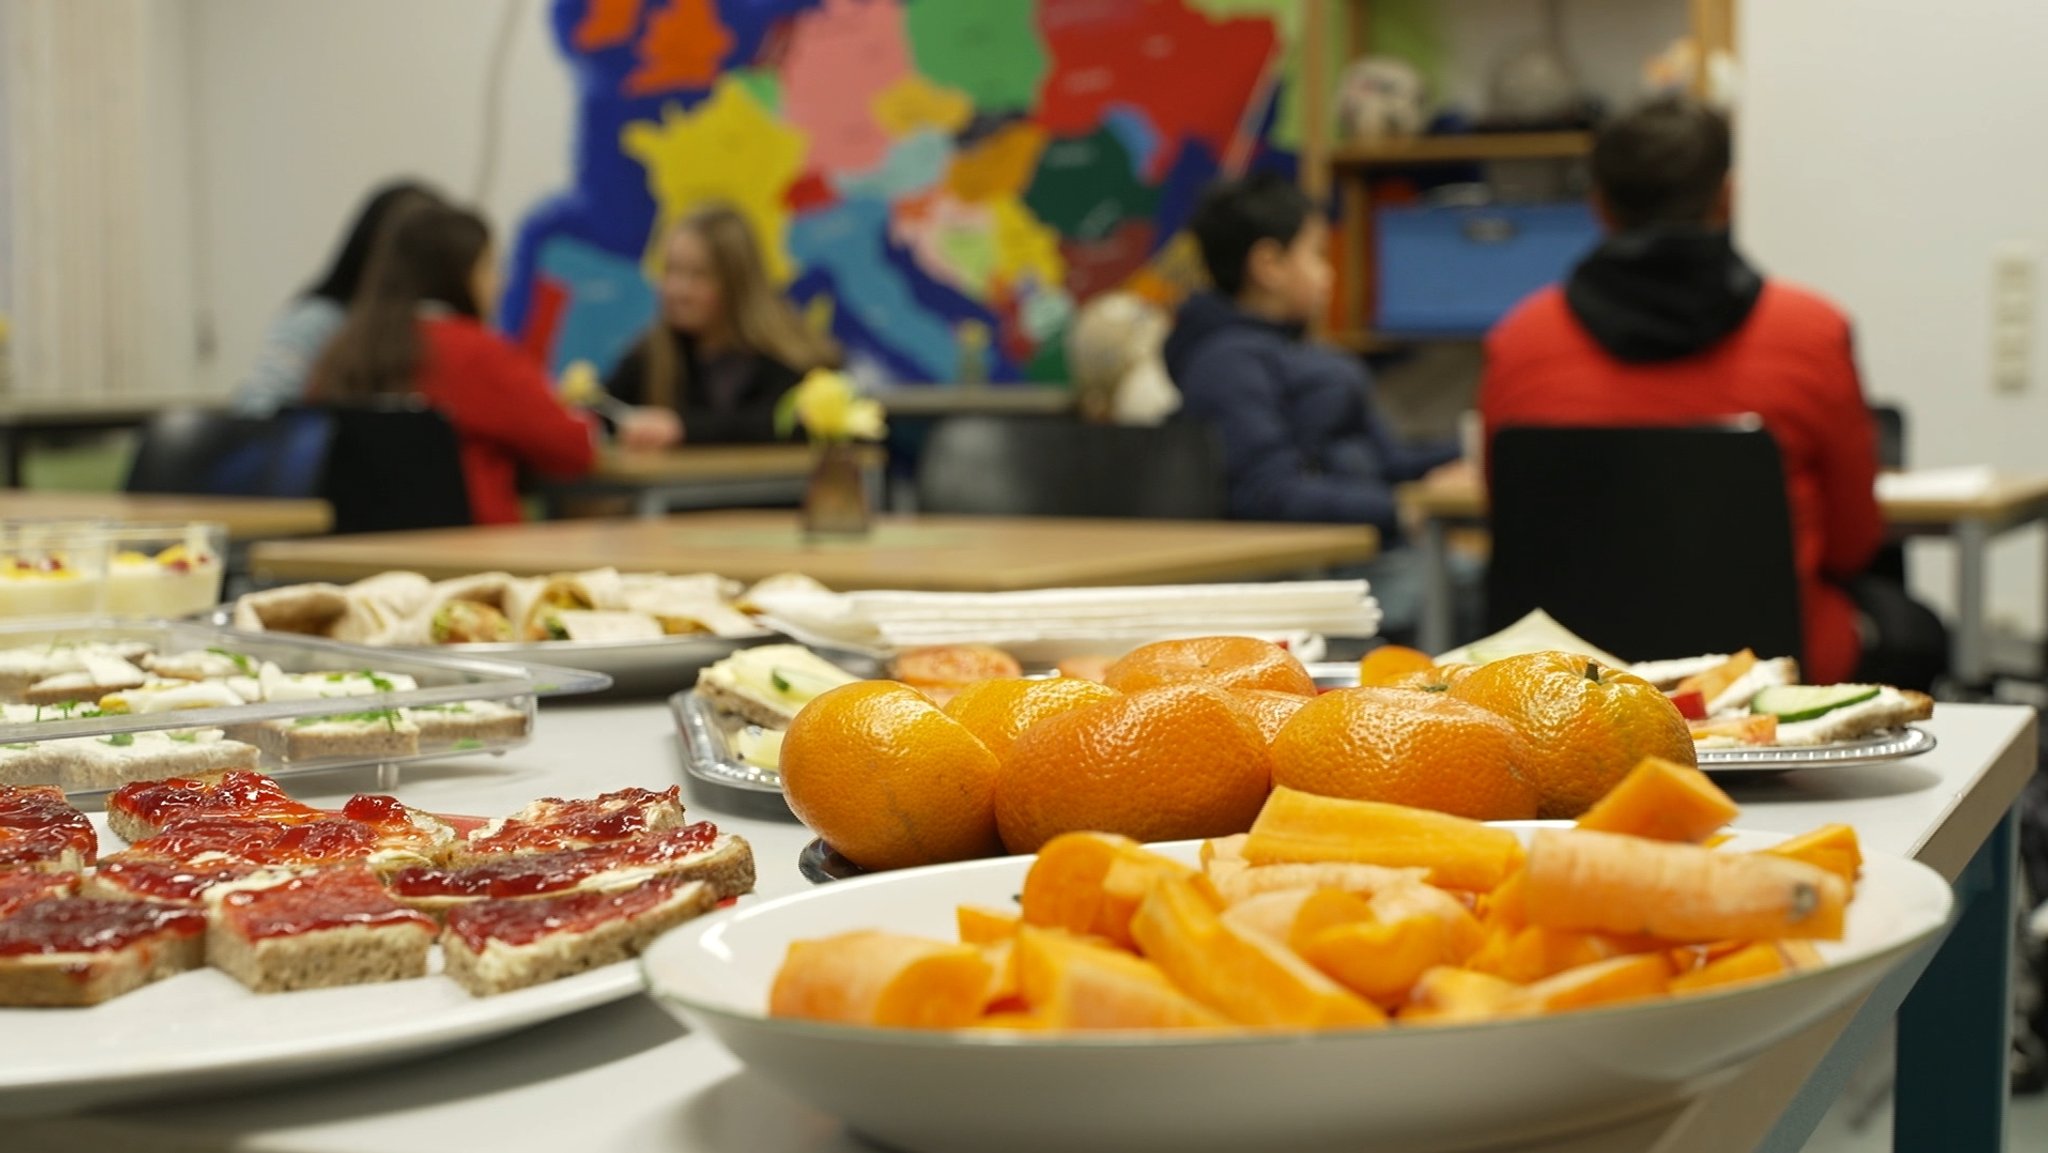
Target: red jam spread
(162, 880)
(85, 925)
(553, 823)
(20, 886)
(532, 874)
(519, 923)
(234, 794)
(37, 825)
(264, 842)
(376, 809)
(328, 899)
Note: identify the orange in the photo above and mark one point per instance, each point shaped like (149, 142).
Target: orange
(941, 671)
(1270, 710)
(1160, 764)
(1086, 666)
(1395, 746)
(887, 779)
(1382, 666)
(999, 711)
(1227, 662)
(1587, 724)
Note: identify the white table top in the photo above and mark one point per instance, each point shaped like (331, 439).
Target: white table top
(627, 1078)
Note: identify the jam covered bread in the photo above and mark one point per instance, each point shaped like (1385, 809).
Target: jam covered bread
(496, 946)
(315, 930)
(697, 852)
(552, 823)
(75, 951)
(41, 830)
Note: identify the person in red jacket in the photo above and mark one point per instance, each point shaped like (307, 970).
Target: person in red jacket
(1665, 323)
(418, 327)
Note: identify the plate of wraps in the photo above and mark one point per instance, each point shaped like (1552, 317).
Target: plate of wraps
(650, 632)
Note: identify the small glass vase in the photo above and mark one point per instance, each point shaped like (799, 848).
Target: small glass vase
(836, 496)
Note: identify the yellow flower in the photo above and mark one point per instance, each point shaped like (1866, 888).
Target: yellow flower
(829, 409)
(580, 385)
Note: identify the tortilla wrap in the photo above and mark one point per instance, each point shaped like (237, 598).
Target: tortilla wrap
(308, 610)
(586, 625)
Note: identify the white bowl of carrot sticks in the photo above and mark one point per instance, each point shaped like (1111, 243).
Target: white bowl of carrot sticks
(1346, 976)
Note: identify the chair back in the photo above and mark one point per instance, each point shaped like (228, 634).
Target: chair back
(1055, 466)
(1891, 435)
(394, 466)
(199, 451)
(1652, 543)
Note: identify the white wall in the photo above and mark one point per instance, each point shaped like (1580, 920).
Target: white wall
(299, 106)
(1605, 40)
(1886, 151)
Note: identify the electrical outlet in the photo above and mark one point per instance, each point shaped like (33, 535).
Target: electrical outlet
(2013, 273)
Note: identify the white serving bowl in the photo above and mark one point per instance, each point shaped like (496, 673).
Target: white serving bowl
(1394, 1090)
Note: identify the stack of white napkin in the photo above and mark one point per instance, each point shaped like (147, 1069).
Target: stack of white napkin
(1056, 623)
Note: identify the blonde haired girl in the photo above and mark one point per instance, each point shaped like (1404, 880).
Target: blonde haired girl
(726, 345)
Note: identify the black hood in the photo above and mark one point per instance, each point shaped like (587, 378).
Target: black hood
(1663, 294)
(1204, 315)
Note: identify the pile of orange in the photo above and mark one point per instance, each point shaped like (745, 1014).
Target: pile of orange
(1185, 739)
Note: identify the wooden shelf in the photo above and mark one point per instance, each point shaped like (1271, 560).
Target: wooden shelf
(1463, 148)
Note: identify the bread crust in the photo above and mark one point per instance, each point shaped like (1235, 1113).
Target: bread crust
(321, 958)
(61, 980)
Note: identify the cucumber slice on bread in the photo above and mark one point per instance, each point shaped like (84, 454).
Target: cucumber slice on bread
(1794, 703)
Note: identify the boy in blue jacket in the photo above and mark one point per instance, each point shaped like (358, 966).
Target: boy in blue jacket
(1302, 438)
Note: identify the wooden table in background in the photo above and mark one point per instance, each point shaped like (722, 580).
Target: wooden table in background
(708, 476)
(1970, 521)
(961, 554)
(28, 417)
(246, 518)
(942, 400)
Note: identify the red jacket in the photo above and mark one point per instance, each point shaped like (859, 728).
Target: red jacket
(504, 414)
(1790, 363)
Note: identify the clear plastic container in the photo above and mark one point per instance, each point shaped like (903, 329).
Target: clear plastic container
(451, 705)
(52, 568)
(164, 570)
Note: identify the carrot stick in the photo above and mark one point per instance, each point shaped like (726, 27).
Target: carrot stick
(1831, 847)
(1614, 884)
(1664, 801)
(869, 978)
(1460, 854)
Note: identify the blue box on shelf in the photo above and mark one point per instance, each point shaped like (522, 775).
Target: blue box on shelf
(1447, 270)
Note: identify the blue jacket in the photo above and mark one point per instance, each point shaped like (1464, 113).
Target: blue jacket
(1302, 438)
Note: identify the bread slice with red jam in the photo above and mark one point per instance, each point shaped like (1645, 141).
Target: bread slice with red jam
(70, 951)
(316, 930)
(497, 946)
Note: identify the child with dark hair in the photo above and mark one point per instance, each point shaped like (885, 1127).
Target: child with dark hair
(418, 328)
(1666, 324)
(300, 333)
(1302, 437)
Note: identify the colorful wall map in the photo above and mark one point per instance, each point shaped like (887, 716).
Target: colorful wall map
(920, 172)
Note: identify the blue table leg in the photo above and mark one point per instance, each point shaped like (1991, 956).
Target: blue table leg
(1955, 1029)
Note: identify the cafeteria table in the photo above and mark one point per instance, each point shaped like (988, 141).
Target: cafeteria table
(708, 476)
(1970, 520)
(246, 518)
(626, 1078)
(927, 553)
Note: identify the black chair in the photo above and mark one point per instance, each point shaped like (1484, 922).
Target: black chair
(218, 454)
(391, 467)
(1649, 542)
(1890, 561)
(1051, 466)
